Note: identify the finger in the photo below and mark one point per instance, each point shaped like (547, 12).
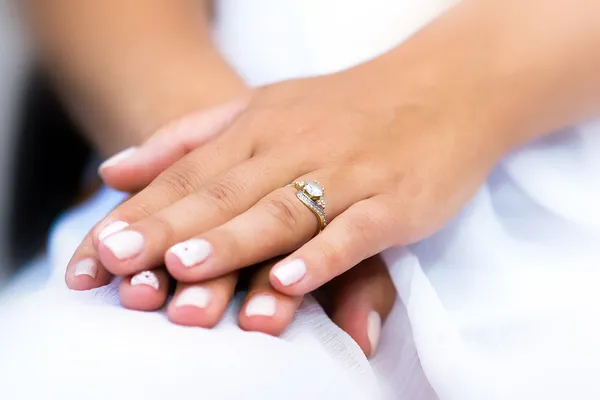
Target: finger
(142, 245)
(146, 291)
(174, 184)
(265, 309)
(202, 304)
(357, 234)
(85, 271)
(278, 224)
(360, 301)
(187, 175)
(134, 168)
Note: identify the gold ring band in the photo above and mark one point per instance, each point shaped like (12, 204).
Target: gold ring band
(312, 195)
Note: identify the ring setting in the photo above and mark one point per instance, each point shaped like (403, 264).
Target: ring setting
(312, 195)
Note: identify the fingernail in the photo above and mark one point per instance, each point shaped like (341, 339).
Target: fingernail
(125, 244)
(147, 278)
(261, 304)
(111, 228)
(86, 267)
(195, 296)
(117, 158)
(290, 272)
(374, 330)
(192, 252)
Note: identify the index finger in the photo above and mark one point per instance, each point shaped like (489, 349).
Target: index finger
(134, 168)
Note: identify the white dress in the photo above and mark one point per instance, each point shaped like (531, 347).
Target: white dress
(501, 304)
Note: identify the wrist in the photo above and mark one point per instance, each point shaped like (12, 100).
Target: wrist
(495, 74)
(120, 111)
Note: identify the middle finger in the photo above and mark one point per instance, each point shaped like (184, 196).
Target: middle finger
(278, 224)
(142, 245)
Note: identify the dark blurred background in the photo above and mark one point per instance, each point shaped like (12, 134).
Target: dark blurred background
(43, 159)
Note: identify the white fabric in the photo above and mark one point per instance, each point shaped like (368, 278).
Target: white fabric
(57, 344)
(502, 304)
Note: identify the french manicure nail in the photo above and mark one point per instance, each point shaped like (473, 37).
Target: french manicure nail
(117, 158)
(192, 252)
(261, 304)
(290, 272)
(147, 278)
(86, 267)
(125, 244)
(373, 330)
(111, 228)
(195, 296)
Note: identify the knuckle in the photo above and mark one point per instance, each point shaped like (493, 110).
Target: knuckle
(363, 225)
(134, 210)
(181, 180)
(224, 193)
(176, 183)
(332, 257)
(283, 209)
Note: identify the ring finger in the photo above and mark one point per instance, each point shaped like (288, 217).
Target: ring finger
(142, 245)
(276, 225)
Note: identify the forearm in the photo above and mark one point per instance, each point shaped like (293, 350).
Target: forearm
(514, 70)
(128, 67)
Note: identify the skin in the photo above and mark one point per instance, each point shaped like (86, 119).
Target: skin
(147, 69)
(133, 66)
(478, 82)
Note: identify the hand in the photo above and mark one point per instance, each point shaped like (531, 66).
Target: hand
(368, 150)
(383, 191)
(399, 154)
(357, 302)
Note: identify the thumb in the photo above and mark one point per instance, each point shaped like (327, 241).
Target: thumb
(133, 169)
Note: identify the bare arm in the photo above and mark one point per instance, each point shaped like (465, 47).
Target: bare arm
(126, 67)
(517, 70)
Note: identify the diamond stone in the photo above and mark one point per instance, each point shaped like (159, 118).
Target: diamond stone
(313, 189)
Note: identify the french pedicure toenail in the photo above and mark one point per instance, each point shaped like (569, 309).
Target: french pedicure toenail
(147, 278)
(192, 252)
(261, 305)
(195, 296)
(374, 330)
(290, 272)
(87, 267)
(117, 158)
(111, 228)
(125, 244)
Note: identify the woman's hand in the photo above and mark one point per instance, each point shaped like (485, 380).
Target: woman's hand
(400, 143)
(135, 65)
(396, 168)
(358, 302)
(397, 157)
(370, 146)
